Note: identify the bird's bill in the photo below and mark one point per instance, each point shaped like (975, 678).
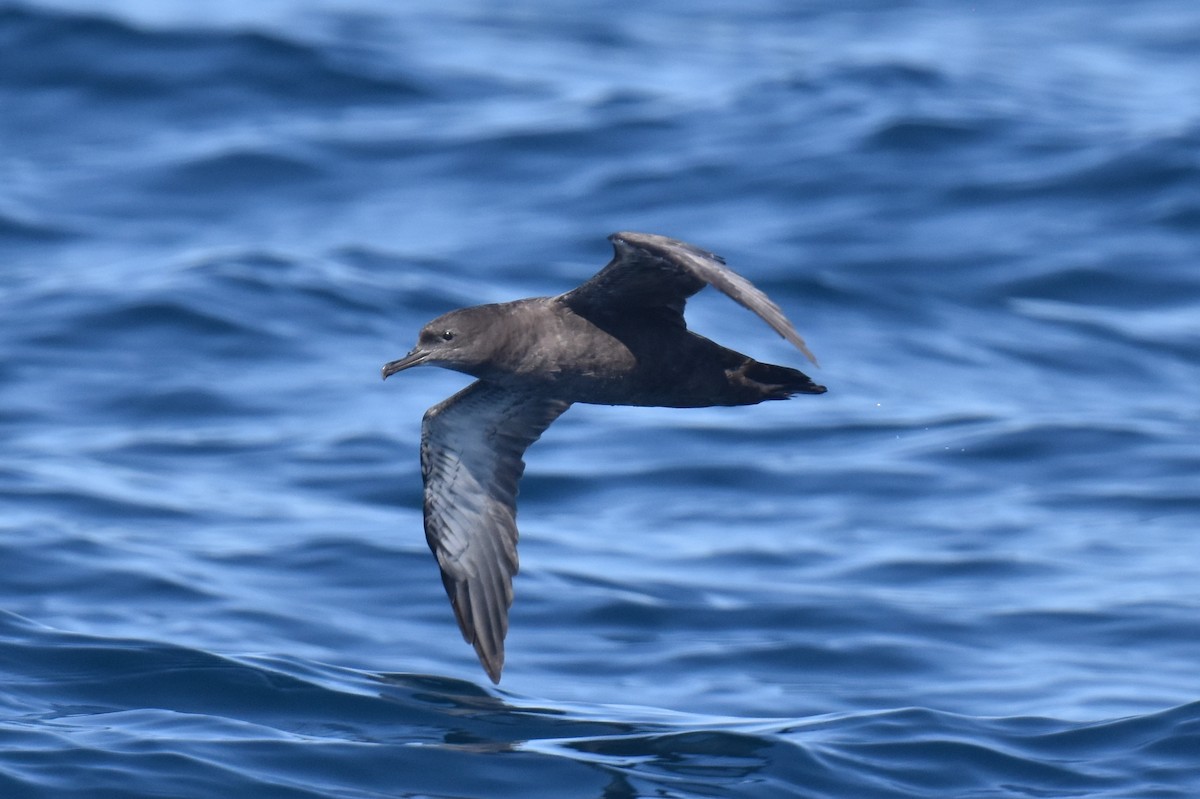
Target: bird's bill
(414, 358)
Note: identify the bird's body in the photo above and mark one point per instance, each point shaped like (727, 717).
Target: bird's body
(542, 345)
(618, 339)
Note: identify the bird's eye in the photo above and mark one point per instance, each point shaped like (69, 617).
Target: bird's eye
(447, 335)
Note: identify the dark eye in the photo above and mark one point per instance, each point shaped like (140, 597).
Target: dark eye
(447, 335)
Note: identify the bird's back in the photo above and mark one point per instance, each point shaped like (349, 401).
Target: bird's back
(640, 357)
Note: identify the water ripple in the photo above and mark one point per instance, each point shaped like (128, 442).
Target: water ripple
(163, 709)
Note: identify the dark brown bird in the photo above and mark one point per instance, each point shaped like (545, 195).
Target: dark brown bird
(619, 339)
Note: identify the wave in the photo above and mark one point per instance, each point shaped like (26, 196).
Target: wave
(135, 715)
(113, 60)
(235, 172)
(15, 229)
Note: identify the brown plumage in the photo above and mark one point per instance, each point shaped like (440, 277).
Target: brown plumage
(618, 339)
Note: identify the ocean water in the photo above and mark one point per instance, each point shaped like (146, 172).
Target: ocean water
(972, 569)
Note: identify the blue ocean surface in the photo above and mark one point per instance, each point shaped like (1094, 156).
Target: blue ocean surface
(972, 569)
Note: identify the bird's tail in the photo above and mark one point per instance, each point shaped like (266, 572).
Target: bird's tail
(776, 382)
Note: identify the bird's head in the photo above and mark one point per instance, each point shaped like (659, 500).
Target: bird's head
(460, 340)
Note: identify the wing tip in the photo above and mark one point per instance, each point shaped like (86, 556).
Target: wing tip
(800, 345)
(493, 667)
(489, 648)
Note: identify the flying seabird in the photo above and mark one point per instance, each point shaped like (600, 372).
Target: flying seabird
(618, 339)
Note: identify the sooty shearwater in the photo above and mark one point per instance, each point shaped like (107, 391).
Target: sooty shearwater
(618, 339)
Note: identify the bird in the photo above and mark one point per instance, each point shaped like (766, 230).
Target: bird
(618, 339)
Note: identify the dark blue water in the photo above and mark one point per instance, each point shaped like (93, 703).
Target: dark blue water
(972, 569)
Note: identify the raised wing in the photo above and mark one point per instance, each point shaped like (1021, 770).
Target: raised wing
(471, 458)
(650, 271)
